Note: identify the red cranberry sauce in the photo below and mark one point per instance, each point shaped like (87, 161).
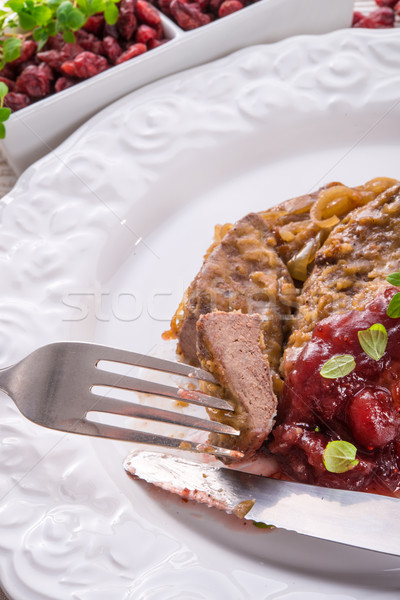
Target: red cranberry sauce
(361, 407)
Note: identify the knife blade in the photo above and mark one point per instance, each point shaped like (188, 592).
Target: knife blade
(358, 519)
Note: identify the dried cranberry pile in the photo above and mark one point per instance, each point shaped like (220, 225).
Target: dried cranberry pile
(190, 14)
(362, 407)
(383, 17)
(98, 46)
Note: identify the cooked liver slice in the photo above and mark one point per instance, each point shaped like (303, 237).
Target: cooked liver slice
(244, 273)
(350, 268)
(229, 347)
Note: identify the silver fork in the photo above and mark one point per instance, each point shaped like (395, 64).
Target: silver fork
(53, 387)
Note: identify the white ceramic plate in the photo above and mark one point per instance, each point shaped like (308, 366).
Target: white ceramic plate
(98, 241)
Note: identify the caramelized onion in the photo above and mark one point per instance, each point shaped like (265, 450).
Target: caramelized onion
(286, 235)
(333, 203)
(374, 187)
(298, 265)
(336, 201)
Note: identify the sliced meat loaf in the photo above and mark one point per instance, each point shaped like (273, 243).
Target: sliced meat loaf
(230, 345)
(243, 272)
(350, 268)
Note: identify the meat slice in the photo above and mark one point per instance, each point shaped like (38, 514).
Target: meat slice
(243, 272)
(230, 347)
(350, 268)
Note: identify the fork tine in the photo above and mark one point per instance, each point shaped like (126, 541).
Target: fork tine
(150, 362)
(87, 427)
(130, 409)
(126, 382)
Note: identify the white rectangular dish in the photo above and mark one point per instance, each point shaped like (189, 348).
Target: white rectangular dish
(39, 128)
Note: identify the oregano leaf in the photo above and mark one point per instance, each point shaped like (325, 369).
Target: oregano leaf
(373, 340)
(393, 310)
(340, 456)
(394, 278)
(338, 366)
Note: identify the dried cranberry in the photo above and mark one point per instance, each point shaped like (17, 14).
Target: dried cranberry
(9, 83)
(85, 65)
(164, 6)
(134, 50)
(389, 3)
(203, 5)
(54, 43)
(373, 419)
(8, 72)
(147, 13)
(95, 24)
(89, 42)
(127, 22)
(47, 71)
(111, 30)
(111, 48)
(214, 5)
(358, 17)
(63, 83)
(188, 16)
(35, 81)
(228, 7)
(55, 58)
(145, 33)
(397, 8)
(16, 101)
(155, 43)
(382, 17)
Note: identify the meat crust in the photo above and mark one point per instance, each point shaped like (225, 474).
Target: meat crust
(242, 273)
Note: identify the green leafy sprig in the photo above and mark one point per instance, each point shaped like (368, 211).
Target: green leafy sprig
(4, 111)
(40, 19)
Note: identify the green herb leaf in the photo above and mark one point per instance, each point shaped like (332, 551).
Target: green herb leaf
(338, 366)
(2, 131)
(4, 114)
(15, 5)
(69, 17)
(3, 90)
(41, 36)
(26, 20)
(340, 456)
(373, 340)
(69, 37)
(111, 13)
(42, 14)
(97, 6)
(83, 5)
(12, 49)
(394, 278)
(393, 310)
